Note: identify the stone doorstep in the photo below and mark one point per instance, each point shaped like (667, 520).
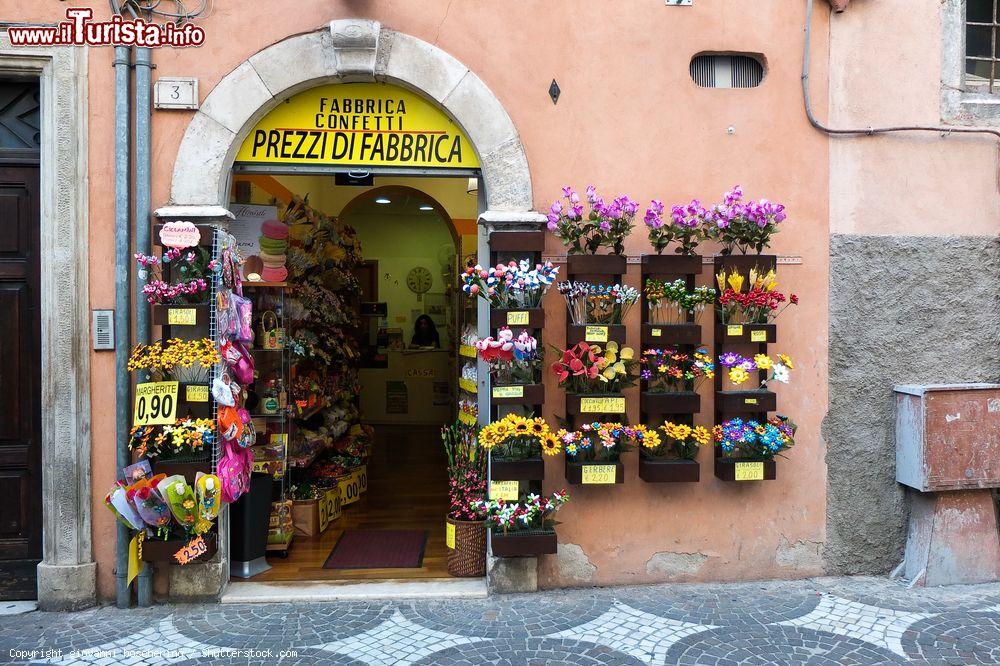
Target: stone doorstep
(250, 592)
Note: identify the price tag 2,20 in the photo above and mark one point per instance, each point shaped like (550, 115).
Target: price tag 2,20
(749, 471)
(508, 491)
(598, 474)
(155, 404)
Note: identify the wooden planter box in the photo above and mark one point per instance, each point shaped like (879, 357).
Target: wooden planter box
(576, 473)
(188, 469)
(671, 264)
(598, 403)
(745, 402)
(744, 262)
(657, 470)
(745, 469)
(755, 333)
(189, 403)
(518, 394)
(195, 314)
(680, 402)
(596, 264)
(595, 333)
(661, 335)
(531, 469)
(523, 318)
(156, 550)
(517, 241)
(524, 545)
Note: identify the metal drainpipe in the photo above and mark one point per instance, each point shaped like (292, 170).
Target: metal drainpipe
(143, 138)
(123, 298)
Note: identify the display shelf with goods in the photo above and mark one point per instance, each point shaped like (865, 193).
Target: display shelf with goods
(672, 364)
(328, 446)
(730, 402)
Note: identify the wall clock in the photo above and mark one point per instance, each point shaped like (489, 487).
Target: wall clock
(419, 281)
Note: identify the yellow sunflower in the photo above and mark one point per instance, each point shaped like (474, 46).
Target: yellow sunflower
(551, 445)
(786, 361)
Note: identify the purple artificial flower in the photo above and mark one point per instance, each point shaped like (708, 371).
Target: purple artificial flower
(577, 211)
(591, 194)
(567, 191)
(556, 207)
(605, 225)
(730, 359)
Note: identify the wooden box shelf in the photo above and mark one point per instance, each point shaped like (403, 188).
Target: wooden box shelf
(517, 241)
(659, 470)
(596, 264)
(156, 550)
(679, 402)
(195, 314)
(597, 404)
(745, 469)
(664, 335)
(524, 544)
(745, 402)
(740, 333)
(531, 469)
(532, 318)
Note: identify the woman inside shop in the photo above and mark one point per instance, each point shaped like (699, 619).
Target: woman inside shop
(425, 333)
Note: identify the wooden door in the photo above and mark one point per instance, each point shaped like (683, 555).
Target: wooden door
(20, 360)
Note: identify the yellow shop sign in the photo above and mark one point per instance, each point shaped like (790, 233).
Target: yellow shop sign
(372, 124)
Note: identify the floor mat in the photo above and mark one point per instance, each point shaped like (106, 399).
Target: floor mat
(378, 549)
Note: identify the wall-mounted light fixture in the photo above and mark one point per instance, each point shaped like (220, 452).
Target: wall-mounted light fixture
(473, 186)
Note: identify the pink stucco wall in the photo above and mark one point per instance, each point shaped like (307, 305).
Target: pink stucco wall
(629, 120)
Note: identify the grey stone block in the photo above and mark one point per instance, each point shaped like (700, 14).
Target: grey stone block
(509, 575)
(69, 587)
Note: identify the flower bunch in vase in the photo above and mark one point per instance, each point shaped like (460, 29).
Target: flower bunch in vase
(685, 227)
(466, 471)
(532, 514)
(597, 442)
(740, 438)
(669, 369)
(185, 437)
(760, 304)
(518, 438)
(587, 368)
(738, 369)
(673, 302)
(188, 361)
(192, 269)
(510, 285)
(511, 360)
(605, 225)
(598, 304)
(742, 225)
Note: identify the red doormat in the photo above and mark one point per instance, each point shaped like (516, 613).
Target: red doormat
(378, 549)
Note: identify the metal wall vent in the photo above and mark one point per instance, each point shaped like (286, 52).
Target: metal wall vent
(727, 71)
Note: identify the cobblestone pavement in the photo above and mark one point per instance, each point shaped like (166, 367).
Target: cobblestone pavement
(832, 621)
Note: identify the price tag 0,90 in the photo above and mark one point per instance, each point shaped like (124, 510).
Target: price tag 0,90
(155, 404)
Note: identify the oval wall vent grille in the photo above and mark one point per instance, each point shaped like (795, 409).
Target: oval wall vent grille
(727, 71)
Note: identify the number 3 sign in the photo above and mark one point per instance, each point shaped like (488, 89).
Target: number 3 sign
(172, 92)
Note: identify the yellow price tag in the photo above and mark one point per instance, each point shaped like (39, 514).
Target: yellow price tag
(468, 385)
(449, 535)
(599, 474)
(656, 332)
(467, 350)
(734, 330)
(362, 474)
(602, 405)
(750, 401)
(350, 489)
(467, 418)
(758, 336)
(182, 317)
(596, 334)
(324, 515)
(508, 391)
(155, 404)
(196, 393)
(508, 491)
(518, 318)
(749, 471)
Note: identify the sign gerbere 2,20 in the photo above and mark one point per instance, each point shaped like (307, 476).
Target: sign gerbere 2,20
(358, 124)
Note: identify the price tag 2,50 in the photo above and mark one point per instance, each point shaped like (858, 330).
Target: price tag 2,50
(155, 404)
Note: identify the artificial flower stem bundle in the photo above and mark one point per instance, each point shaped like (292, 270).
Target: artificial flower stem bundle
(597, 304)
(466, 471)
(512, 285)
(673, 303)
(511, 360)
(760, 304)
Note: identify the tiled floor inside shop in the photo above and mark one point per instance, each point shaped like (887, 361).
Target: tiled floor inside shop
(407, 489)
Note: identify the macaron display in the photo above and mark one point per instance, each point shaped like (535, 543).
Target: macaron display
(273, 245)
(274, 274)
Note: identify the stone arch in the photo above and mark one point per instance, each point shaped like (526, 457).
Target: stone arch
(349, 50)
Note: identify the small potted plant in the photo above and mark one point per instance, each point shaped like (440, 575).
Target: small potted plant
(515, 365)
(671, 379)
(593, 452)
(516, 445)
(524, 528)
(668, 453)
(466, 491)
(744, 228)
(747, 447)
(684, 229)
(597, 312)
(514, 290)
(594, 377)
(606, 225)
